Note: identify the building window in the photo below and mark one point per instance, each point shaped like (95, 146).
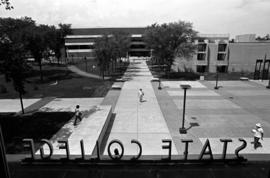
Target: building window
(136, 39)
(201, 47)
(201, 40)
(201, 56)
(222, 47)
(222, 69)
(201, 69)
(80, 47)
(137, 46)
(221, 57)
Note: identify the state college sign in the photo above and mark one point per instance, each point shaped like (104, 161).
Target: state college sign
(166, 144)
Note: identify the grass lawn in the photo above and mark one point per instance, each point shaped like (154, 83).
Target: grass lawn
(87, 66)
(36, 126)
(68, 84)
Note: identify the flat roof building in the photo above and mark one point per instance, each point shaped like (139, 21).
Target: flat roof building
(81, 43)
(214, 52)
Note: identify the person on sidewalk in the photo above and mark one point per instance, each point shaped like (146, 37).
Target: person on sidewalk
(258, 134)
(78, 114)
(140, 94)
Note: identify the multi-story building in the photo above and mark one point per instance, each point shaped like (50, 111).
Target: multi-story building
(211, 53)
(214, 51)
(81, 43)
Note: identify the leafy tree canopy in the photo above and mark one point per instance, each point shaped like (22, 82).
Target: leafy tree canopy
(264, 38)
(7, 4)
(110, 47)
(170, 40)
(40, 41)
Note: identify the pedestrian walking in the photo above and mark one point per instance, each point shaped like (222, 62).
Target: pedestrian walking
(140, 94)
(258, 134)
(78, 114)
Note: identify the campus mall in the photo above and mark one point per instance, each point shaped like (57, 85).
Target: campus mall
(215, 52)
(119, 136)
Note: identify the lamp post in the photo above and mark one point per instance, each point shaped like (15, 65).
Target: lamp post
(216, 87)
(268, 83)
(183, 129)
(159, 84)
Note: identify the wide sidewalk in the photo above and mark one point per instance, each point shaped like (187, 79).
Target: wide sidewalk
(142, 121)
(230, 112)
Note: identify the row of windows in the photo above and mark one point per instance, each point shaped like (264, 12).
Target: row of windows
(202, 47)
(139, 53)
(137, 39)
(92, 47)
(202, 56)
(139, 46)
(220, 69)
(80, 47)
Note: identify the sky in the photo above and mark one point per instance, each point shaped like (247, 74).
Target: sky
(232, 17)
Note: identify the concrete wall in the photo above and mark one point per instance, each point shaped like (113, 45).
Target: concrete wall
(212, 56)
(243, 56)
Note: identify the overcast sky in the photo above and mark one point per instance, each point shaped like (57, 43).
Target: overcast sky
(208, 16)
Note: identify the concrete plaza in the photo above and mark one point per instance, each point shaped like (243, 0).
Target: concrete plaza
(229, 112)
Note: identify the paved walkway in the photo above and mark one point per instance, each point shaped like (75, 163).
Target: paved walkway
(261, 82)
(69, 104)
(142, 121)
(92, 128)
(14, 105)
(230, 112)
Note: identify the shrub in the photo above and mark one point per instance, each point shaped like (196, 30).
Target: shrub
(3, 89)
(182, 75)
(35, 87)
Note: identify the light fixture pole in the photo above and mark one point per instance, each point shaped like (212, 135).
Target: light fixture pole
(183, 129)
(216, 87)
(268, 83)
(159, 84)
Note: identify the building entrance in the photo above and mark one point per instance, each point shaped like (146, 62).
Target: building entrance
(261, 69)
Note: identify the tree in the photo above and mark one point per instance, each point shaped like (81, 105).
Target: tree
(38, 40)
(37, 46)
(121, 42)
(14, 65)
(7, 4)
(103, 50)
(13, 52)
(57, 39)
(170, 40)
(109, 48)
(16, 29)
(265, 38)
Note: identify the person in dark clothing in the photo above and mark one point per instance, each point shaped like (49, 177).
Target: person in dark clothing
(78, 115)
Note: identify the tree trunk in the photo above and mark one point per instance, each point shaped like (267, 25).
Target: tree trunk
(40, 70)
(115, 64)
(112, 66)
(20, 95)
(103, 70)
(85, 65)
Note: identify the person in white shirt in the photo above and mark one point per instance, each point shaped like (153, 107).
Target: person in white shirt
(258, 134)
(140, 94)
